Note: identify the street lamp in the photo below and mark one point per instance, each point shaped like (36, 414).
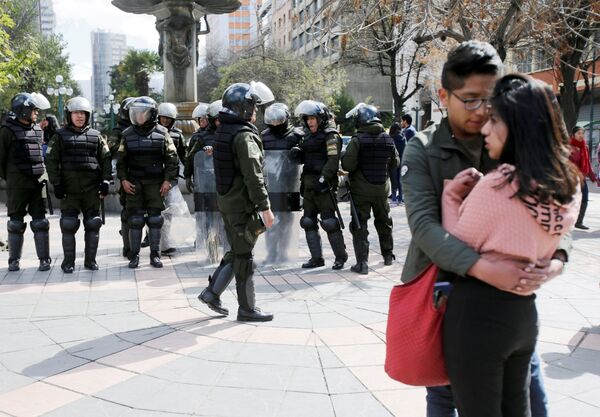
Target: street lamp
(111, 108)
(60, 90)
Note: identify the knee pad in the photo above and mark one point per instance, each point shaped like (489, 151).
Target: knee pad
(69, 225)
(330, 224)
(308, 223)
(92, 223)
(136, 221)
(154, 221)
(40, 225)
(16, 226)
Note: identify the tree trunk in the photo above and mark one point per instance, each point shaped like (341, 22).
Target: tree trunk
(398, 101)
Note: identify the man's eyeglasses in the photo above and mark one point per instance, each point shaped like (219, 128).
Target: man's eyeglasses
(471, 103)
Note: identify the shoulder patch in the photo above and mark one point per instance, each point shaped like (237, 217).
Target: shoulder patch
(403, 170)
(48, 150)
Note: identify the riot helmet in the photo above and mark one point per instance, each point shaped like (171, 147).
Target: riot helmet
(168, 110)
(241, 99)
(142, 111)
(78, 104)
(213, 111)
(124, 109)
(308, 108)
(277, 114)
(200, 113)
(364, 114)
(23, 105)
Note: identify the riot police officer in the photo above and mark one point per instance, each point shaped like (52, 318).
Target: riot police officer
(200, 114)
(79, 167)
(320, 153)
(369, 157)
(167, 115)
(241, 195)
(22, 165)
(147, 168)
(282, 176)
(203, 138)
(114, 140)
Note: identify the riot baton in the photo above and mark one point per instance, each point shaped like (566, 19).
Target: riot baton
(353, 211)
(102, 210)
(337, 209)
(48, 198)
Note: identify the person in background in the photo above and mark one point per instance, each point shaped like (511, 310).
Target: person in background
(400, 143)
(408, 130)
(49, 125)
(580, 156)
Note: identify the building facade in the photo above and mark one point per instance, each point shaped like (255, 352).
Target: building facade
(46, 18)
(108, 49)
(234, 32)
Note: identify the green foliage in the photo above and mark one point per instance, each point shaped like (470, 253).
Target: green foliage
(131, 77)
(28, 61)
(344, 104)
(290, 78)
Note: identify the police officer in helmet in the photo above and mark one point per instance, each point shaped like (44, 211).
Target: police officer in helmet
(79, 167)
(320, 153)
(22, 165)
(369, 157)
(147, 168)
(241, 195)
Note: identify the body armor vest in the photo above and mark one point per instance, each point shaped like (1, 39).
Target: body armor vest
(145, 154)
(27, 149)
(281, 143)
(80, 150)
(225, 170)
(374, 156)
(315, 151)
(177, 136)
(205, 137)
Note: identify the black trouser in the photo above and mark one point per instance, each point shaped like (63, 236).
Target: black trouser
(489, 337)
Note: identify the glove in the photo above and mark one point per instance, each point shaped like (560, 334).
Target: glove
(103, 188)
(297, 155)
(321, 186)
(189, 184)
(59, 191)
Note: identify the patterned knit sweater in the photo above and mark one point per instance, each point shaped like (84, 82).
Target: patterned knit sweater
(492, 222)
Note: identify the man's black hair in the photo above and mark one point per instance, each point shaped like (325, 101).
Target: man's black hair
(407, 118)
(469, 58)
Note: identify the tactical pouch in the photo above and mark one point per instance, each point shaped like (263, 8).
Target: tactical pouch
(254, 228)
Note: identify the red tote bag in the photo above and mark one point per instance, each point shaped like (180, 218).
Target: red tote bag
(414, 351)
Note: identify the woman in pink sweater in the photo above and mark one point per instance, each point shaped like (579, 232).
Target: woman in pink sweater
(521, 210)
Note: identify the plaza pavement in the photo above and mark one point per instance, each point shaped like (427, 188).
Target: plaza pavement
(121, 342)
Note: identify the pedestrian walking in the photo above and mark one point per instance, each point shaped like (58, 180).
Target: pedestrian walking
(580, 156)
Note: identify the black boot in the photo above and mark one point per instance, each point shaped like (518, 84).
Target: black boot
(16, 229)
(135, 239)
(69, 225)
(155, 223)
(579, 223)
(388, 258)
(41, 238)
(125, 235)
(313, 239)
(360, 268)
(92, 236)
(217, 283)
(336, 240)
(247, 310)
(360, 241)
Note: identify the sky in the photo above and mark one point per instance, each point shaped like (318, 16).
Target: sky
(76, 19)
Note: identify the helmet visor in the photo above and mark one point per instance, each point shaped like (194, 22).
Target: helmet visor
(260, 93)
(214, 108)
(307, 108)
(276, 114)
(140, 115)
(39, 101)
(354, 112)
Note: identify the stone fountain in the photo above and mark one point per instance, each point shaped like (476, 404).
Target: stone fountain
(179, 23)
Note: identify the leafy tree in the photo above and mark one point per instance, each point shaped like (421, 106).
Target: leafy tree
(131, 77)
(289, 77)
(344, 103)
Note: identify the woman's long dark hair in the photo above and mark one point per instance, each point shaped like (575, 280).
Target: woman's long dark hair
(538, 142)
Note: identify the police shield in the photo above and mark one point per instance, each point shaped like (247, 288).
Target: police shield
(282, 178)
(211, 240)
(178, 222)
